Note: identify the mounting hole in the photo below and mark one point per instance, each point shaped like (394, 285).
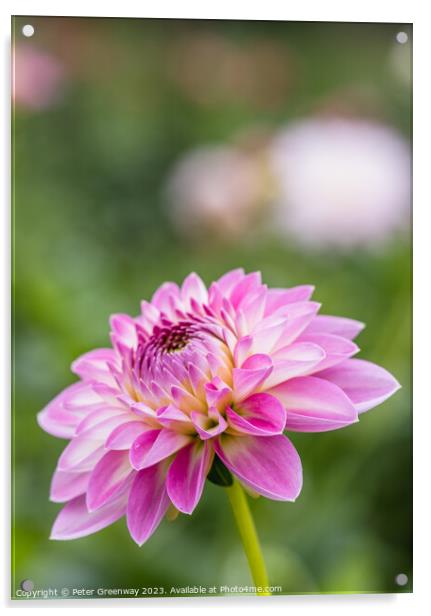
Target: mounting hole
(401, 579)
(402, 37)
(28, 30)
(27, 585)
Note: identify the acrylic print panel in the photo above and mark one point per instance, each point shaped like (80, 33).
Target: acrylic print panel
(241, 190)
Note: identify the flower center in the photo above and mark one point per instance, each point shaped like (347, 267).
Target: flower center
(172, 348)
(165, 340)
(171, 339)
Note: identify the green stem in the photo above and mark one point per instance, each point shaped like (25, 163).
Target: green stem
(250, 540)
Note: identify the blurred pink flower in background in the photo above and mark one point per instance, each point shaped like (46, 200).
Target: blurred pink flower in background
(202, 374)
(37, 78)
(341, 182)
(216, 190)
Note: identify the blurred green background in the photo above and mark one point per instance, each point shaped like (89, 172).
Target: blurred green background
(92, 236)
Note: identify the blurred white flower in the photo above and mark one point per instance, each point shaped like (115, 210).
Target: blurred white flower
(342, 182)
(215, 190)
(37, 78)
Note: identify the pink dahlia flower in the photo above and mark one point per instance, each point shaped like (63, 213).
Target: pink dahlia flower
(202, 375)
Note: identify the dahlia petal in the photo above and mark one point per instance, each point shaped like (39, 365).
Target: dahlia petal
(58, 423)
(299, 316)
(269, 465)
(229, 280)
(257, 362)
(264, 340)
(197, 380)
(242, 350)
(108, 478)
(208, 426)
(193, 287)
(241, 326)
(148, 502)
(150, 314)
(100, 418)
(218, 394)
(261, 414)
(249, 283)
(171, 412)
(168, 375)
(365, 383)
(165, 296)
(143, 410)
(81, 454)
(339, 326)
(126, 359)
(95, 365)
(294, 360)
(301, 351)
(227, 318)
(187, 474)
(65, 486)
(81, 396)
(123, 436)
(75, 521)
(218, 367)
(159, 394)
(106, 395)
(141, 446)
(199, 361)
(166, 443)
(172, 418)
(215, 298)
(314, 405)
(253, 308)
(62, 415)
(276, 298)
(253, 373)
(337, 349)
(229, 336)
(186, 401)
(295, 310)
(124, 330)
(86, 448)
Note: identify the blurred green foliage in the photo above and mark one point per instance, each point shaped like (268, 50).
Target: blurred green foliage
(91, 237)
